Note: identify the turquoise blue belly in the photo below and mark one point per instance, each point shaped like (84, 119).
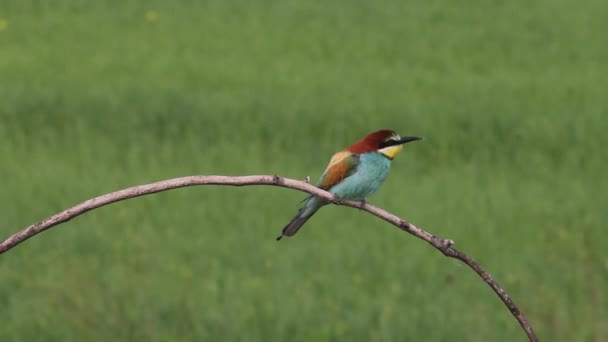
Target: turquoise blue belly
(371, 173)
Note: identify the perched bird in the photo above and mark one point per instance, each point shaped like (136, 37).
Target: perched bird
(353, 173)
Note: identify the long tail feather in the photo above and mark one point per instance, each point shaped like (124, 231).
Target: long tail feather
(295, 224)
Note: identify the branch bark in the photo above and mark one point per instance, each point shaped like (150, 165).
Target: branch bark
(443, 245)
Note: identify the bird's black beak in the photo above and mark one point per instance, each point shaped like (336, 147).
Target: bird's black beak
(405, 140)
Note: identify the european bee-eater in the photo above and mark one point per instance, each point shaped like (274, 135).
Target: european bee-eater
(353, 173)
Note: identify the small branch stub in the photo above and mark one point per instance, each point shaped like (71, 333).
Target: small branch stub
(443, 245)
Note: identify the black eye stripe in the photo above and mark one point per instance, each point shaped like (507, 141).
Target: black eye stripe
(390, 142)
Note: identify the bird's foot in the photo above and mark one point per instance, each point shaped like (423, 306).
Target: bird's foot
(362, 204)
(307, 179)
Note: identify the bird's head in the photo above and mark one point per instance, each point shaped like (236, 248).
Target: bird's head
(384, 141)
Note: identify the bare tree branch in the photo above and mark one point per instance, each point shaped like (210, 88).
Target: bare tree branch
(443, 245)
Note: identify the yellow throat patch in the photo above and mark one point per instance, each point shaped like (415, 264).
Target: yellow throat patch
(391, 151)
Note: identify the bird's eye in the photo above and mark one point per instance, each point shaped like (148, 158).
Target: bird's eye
(390, 141)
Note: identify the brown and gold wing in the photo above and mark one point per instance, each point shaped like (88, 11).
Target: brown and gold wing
(341, 165)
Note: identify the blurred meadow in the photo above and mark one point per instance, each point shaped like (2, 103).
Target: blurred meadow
(511, 98)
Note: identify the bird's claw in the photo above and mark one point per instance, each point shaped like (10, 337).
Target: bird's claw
(362, 204)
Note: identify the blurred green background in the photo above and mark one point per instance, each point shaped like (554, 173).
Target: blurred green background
(510, 97)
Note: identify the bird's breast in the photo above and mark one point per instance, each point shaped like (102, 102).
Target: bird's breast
(371, 173)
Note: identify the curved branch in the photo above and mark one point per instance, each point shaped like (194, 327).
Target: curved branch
(443, 245)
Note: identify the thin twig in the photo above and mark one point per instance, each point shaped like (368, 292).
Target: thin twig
(443, 245)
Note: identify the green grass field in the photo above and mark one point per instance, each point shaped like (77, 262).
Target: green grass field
(510, 97)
